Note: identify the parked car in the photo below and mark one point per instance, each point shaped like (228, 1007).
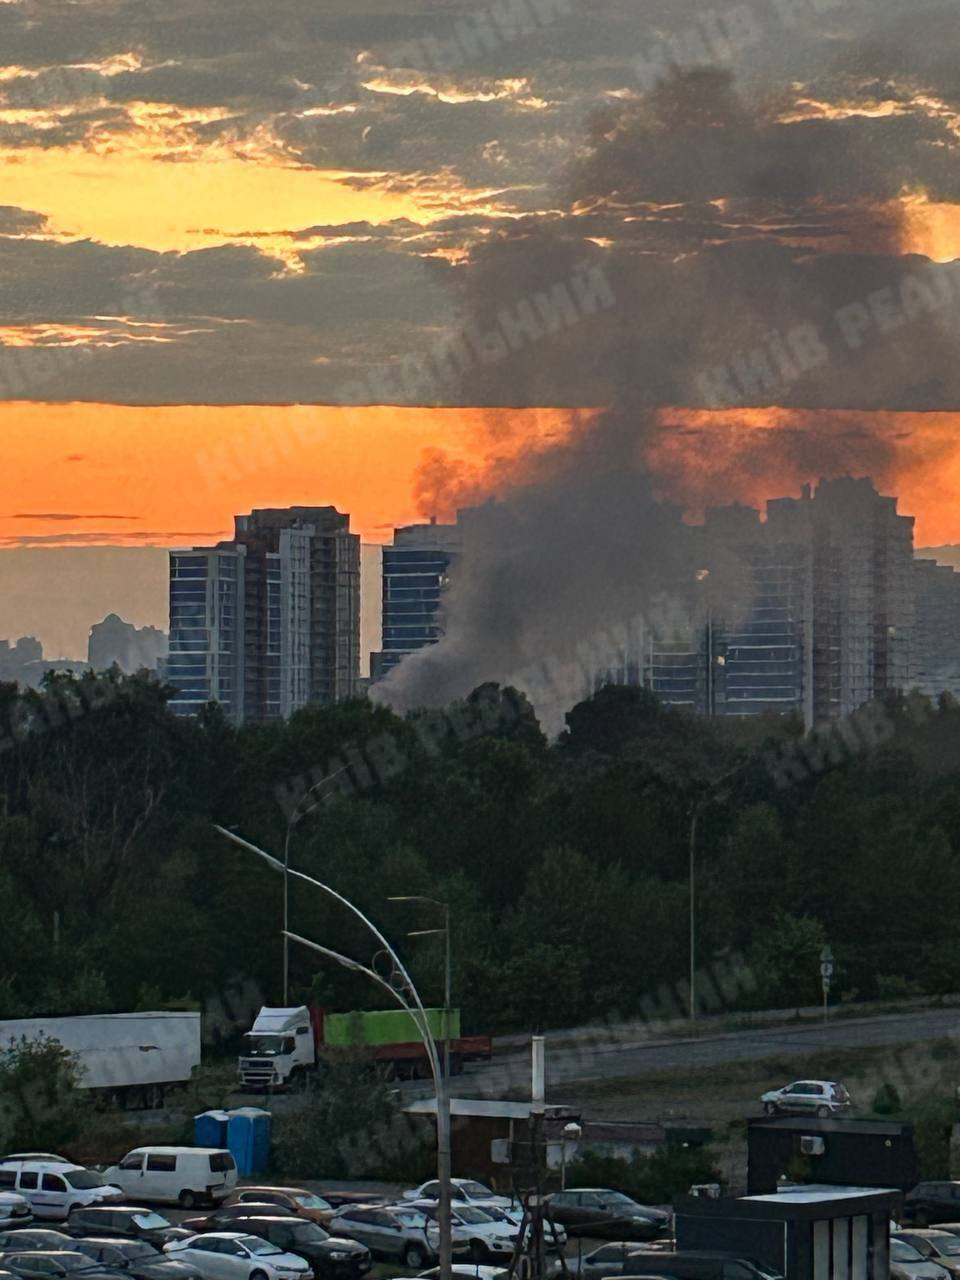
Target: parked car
(470, 1271)
(474, 1230)
(125, 1222)
(231, 1255)
(939, 1246)
(821, 1098)
(465, 1190)
(605, 1260)
(37, 1264)
(346, 1199)
(695, 1264)
(136, 1258)
(15, 1210)
(33, 1238)
(186, 1176)
(299, 1201)
(554, 1236)
(932, 1202)
(54, 1189)
(908, 1263)
(223, 1218)
(595, 1211)
(394, 1232)
(331, 1258)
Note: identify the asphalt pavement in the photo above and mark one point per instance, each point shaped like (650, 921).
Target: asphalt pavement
(605, 1056)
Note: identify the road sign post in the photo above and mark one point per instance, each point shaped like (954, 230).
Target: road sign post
(826, 973)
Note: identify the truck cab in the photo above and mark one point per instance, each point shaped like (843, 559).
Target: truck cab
(279, 1049)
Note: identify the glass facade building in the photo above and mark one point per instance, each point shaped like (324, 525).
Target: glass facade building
(269, 622)
(205, 656)
(415, 575)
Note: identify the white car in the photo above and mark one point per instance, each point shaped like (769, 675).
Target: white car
(554, 1236)
(54, 1189)
(15, 1210)
(820, 1098)
(475, 1230)
(462, 1191)
(233, 1255)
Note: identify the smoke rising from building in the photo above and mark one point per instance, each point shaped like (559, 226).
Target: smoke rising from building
(744, 252)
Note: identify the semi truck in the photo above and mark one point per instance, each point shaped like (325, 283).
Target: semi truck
(128, 1058)
(285, 1045)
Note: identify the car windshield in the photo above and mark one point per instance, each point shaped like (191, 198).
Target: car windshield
(308, 1232)
(947, 1244)
(900, 1251)
(476, 1190)
(311, 1202)
(84, 1179)
(150, 1221)
(411, 1219)
(475, 1217)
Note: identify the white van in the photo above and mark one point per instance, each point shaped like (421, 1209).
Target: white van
(186, 1176)
(53, 1188)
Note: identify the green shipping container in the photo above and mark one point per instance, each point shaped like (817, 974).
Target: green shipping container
(383, 1026)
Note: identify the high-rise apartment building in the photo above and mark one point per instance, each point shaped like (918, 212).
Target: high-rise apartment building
(861, 611)
(294, 614)
(205, 661)
(935, 651)
(302, 621)
(415, 573)
(817, 613)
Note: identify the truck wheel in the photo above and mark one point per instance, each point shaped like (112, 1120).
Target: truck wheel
(188, 1200)
(478, 1251)
(823, 1113)
(770, 1108)
(414, 1256)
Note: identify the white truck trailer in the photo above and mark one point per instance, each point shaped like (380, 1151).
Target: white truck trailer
(130, 1058)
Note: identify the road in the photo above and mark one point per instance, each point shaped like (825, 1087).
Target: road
(604, 1057)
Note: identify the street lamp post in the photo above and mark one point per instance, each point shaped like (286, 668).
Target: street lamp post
(399, 986)
(447, 967)
(709, 794)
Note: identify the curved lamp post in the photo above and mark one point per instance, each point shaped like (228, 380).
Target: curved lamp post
(399, 985)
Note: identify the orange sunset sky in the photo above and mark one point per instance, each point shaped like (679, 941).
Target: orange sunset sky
(229, 201)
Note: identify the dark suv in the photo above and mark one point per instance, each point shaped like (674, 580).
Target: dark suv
(931, 1202)
(126, 1222)
(331, 1258)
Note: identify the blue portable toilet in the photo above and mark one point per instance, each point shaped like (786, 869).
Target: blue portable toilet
(210, 1129)
(248, 1137)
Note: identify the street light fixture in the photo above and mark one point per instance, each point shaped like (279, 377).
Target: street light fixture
(571, 1132)
(447, 969)
(399, 986)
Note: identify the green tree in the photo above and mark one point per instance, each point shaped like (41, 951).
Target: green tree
(40, 1105)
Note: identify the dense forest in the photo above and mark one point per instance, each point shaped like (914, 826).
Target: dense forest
(565, 864)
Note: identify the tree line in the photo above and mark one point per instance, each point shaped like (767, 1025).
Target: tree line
(565, 863)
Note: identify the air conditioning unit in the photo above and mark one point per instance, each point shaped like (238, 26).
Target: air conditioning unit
(812, 1146)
